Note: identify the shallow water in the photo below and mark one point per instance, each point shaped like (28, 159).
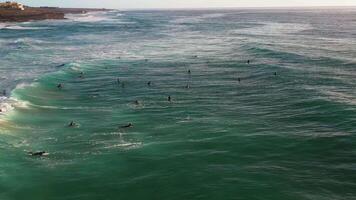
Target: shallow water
(284, 131)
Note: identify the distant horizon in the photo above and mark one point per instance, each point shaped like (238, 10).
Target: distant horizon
(191, 4)
(207, 8)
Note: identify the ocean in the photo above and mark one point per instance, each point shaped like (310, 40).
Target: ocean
(262, 105)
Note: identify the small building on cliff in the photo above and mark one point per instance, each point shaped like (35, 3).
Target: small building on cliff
(12, 5)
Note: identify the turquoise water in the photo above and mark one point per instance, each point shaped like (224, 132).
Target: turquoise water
(284, 131)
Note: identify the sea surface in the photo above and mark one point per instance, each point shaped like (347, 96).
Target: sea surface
(281, 127)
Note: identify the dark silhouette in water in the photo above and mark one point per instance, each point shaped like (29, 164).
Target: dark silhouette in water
(149, 83)
(118, 80)
(187, 86)
(239, 80)
(38, 153)
(189, 72)
(81, 75)
(129, 125)
(169, 98)
(62, 65)
(137, 102)
(275, 73)
(72, 124)
(195, 56)
(248, 61)
(60, 86)
(4, 92)
(122, 84)
(146, 60)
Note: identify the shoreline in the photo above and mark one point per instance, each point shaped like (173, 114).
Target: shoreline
(41, 13)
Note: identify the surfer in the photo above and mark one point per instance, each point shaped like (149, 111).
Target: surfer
(62, 65)
(137, 102)
(38, 153)
(129, 125)
(60, 86)
(81, 75)
(169, 98)
(187, 86)
(72, 124)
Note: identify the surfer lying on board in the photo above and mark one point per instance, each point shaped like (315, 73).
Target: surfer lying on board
(72, 124)
(38, 153)
(129, 125)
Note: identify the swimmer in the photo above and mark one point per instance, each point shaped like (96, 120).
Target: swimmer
(72, 124)
(62, 65)
(169, 98)
(137, 102)
(129, 125)
(38, 153)
(275, 73)
(149, 83)
(60, 86)
(187, 86)
(248, 61)
(189, 72)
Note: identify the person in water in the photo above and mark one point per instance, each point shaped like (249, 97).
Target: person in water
(72, 124)
(275, 73)
(137, 102)
(239, 80)
(169, 98)
(4, 92)
(118, 80)
(187, 86)
(129, 125)
(248, 61)
(81, 75)
(189, 72)
(149, 83)
(38, 153)
(60, 86)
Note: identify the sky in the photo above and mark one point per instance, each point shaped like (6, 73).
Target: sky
(127, 4)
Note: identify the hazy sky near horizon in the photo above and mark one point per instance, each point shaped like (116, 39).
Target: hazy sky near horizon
(187, 3)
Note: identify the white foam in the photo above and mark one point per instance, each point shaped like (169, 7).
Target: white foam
(9, 104)
(6, 26)
(89, 17)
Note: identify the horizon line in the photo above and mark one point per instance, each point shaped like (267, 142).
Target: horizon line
(212, 8)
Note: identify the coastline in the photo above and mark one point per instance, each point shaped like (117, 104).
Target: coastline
(41, 13)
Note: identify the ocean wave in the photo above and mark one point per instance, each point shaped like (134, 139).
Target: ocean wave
(275, 29)
(18, 27)
(8, 104)
(89, 17)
